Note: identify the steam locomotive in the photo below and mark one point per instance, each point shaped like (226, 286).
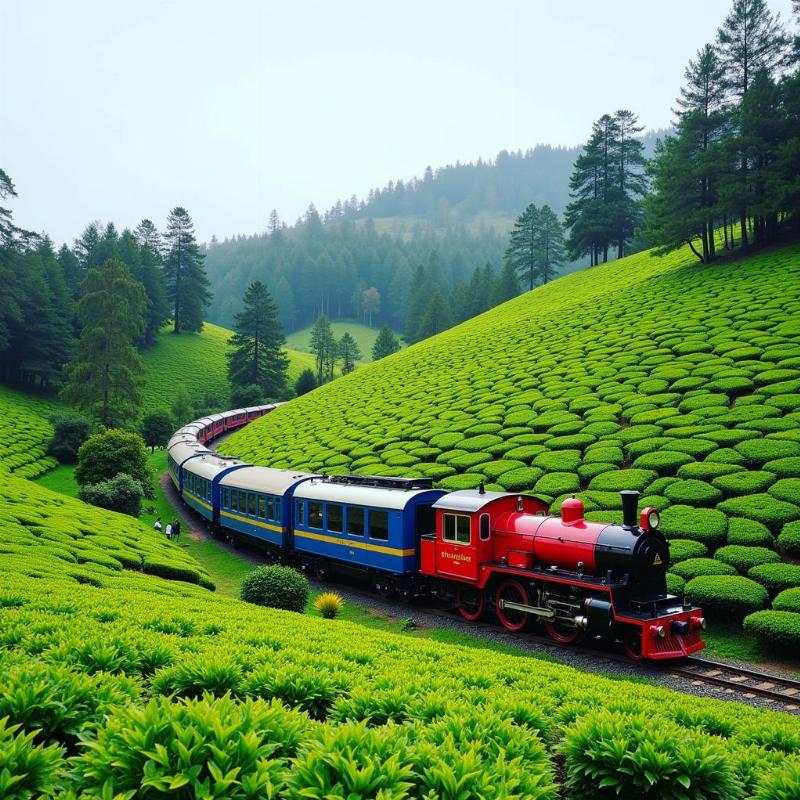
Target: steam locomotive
(477, 549)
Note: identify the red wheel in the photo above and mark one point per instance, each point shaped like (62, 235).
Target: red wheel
(563, 634)
(510, 618)
(632, 644)
(470, 602)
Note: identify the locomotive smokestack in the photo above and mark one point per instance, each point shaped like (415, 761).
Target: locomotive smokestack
(630, 504)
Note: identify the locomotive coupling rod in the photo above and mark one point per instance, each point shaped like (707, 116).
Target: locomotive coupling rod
(544, 613)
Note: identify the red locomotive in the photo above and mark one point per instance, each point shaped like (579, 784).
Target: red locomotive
(577, 577)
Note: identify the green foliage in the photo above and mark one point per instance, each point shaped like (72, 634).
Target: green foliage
(681, 549)
(727, 596)
(744, 482)
(638, 479)
(693, 492)
(70, 431)
(750, 533)
(385, 345)
(276, 587)
(777, 630)
(27, 770)
(788, 600)
(700, 524)
(780, 784)
(329, 604)
(763, 508)
(249, 395)
(120, 493)
(694, 567)
(776, 577)
(536, 245)
(105, 455)
(157, 428)
(305, 382)
(611, 754)
(789, 539)
(759, 451)
(742, 558)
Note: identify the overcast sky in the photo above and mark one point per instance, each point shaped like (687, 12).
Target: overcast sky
(117, 110)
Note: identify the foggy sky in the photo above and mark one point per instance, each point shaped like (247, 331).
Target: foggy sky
(121, 110)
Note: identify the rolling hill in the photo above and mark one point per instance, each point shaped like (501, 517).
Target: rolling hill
(197, 361)
(300, 341)
(657, 374)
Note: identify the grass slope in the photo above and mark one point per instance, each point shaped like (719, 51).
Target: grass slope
(25, 433)
(657, 374)
(198, 362)
(116, 683)
(364, 335)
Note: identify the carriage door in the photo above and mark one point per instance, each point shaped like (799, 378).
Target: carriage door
(457, 546)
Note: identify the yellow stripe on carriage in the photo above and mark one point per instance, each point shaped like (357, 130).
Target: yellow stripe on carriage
(251, 521)
(372, 548)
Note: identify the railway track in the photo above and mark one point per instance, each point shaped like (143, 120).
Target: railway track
(779, 689)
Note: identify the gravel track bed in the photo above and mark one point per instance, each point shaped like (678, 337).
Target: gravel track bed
(588, 658)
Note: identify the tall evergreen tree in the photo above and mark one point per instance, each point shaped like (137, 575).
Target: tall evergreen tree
(506, 285)
(258, 356)
(435, 317)
(550, 249)
(385, 344)
(628, 178)
(323, 346)
(523, 244)
(187, 284)
(349, 352)
(106, 375)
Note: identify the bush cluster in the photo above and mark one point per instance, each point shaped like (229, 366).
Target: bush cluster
(778, 630)
(727, 596)
(275, 586)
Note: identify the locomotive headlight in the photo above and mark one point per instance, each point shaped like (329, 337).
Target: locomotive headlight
(658, 630)
(698, 622)
(649, 519)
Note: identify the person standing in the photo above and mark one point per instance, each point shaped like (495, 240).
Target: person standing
(176, 530)
(157, 526)
(169, 531)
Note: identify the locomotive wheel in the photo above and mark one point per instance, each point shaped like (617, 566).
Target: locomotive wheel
(514, 592)
(563, 634)
(470, 602)
(632, 644)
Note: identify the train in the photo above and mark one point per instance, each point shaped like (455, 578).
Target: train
(479, 550)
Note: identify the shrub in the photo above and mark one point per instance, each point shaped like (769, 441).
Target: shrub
(104, 455)
(664, 462)
(243, 396)
(787, 489)
(759, 451)
(558, 461)
(611, 755)
(312, 692)
(727, 596)
(789, 539)
(681, 549)
(170, 571)
(519, 479)
(329, 604)
(776, 577)
(749, 532)
(788, 600)
(675, 584)
(693, 492)
(120, 493)
(157, 428)
(306, 382)
(275, 586)
(742, 558)
(638, 479)
(694, 567)
(777, 630)
(217, 675)
(27, 770)
(705, 525)
(556, 483)
(781, 784)
(70, 431)
(762, 508)
(744, 482)
(785, 467)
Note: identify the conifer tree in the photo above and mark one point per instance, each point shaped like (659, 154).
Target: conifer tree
(107, 372)
(523, 245)
(550, 245)
(305, 382)
(628, 178)
(349, 352)
(385, 344)
(187, 284)
(435, 317)
(258, 356)
(323, 346)
(506, 285)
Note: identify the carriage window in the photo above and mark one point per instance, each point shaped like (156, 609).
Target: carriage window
(484, 527)
(262, 506)
(234, 500)
(315, 515)
(243, 502)
(299, 512)
(226, 498)
(276, 509)
(456, 528)
(379, 525)
(355, 521)
(335, 518)
(251, 505)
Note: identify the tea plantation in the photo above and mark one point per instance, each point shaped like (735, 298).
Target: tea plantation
(116, 684)
(656, 374)
(197, 361)
(25, 433)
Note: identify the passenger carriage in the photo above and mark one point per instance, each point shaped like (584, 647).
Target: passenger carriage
(201, 477)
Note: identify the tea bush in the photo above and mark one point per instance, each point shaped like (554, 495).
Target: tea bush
(275, 586)
(788, 600)
(727, 596)
(693, 567)
(789, 539)
(26, 433)
(743, 558)
(776, 577)
(778, 630)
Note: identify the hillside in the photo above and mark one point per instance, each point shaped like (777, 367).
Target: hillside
(654, 374)
(117, 683)
(300, 341)
(196, 361)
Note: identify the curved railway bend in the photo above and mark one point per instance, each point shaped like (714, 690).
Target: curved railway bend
(698, 676)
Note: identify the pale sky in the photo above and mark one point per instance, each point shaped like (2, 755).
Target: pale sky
(122, 109)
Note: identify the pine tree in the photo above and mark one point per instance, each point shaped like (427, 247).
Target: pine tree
(506, 284)
(305, 382)
(107, 373)
(323, 346)
(523, 244)
(274, 223)
(436, 317)
(187, 284)
(349, 352)
(258, 356)
(385, 344)
(550, 244)
(629, 184)
(151, 275)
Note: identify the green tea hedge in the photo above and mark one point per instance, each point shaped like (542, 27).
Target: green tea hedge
(693, 567)
(743, 558)
(776, 577)
(788, 600)
(727, 596)
(789, 539)
(778, 630)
